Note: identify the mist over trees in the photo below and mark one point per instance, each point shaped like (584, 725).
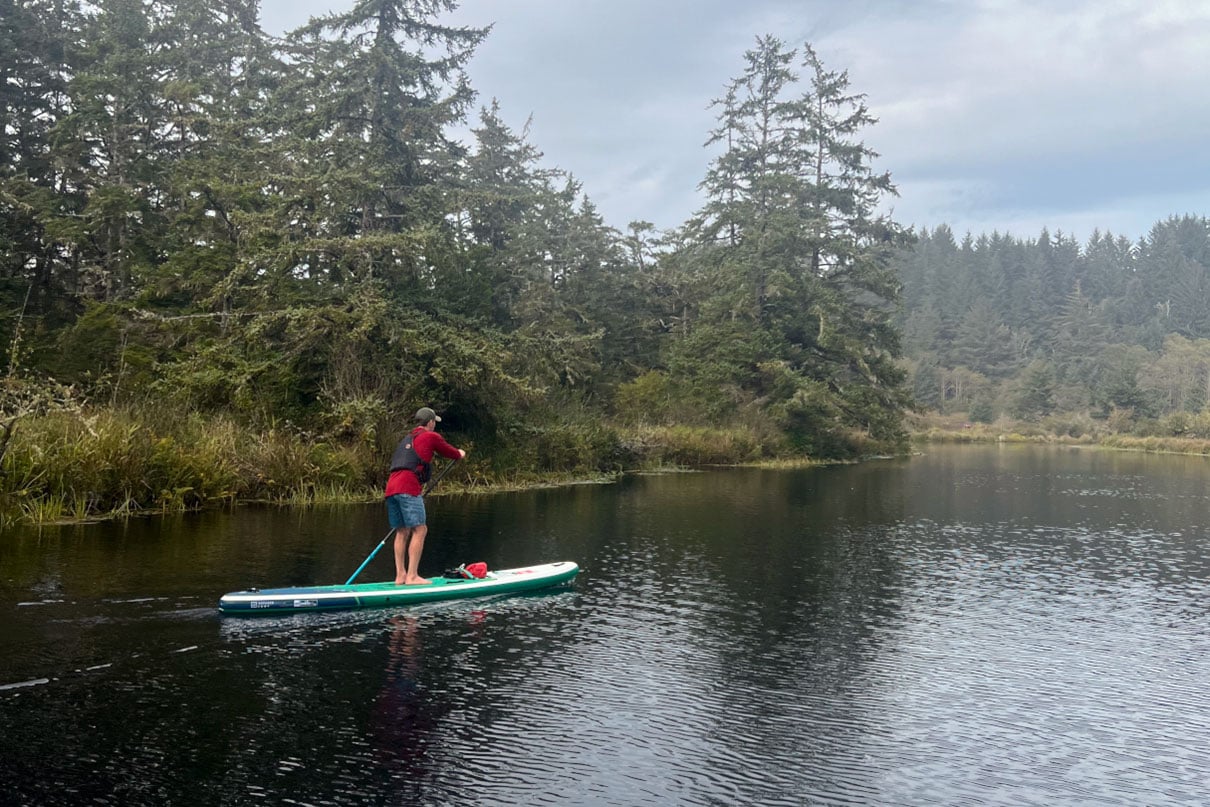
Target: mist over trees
(995, 325)
(198, 217)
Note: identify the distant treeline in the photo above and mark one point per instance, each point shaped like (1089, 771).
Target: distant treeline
(1114, 329)
(196, 217)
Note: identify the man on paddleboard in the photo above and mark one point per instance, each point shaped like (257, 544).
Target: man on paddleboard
(411, 465)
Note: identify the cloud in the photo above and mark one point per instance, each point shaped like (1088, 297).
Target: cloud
(1062, 111)
(994, 114)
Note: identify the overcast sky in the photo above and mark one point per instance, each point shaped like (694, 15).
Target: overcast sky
(1008, 115)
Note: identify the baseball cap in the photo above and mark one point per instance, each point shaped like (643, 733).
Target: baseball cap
(424, 415)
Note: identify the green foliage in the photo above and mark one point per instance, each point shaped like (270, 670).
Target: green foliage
(983, 409)
(812, 420)
(285, 237)
(111, 461)
(1122, 325)
(983, 343)
(1035, 397)
(93, 462)
(690, 446)
(794, 321)
(572, 447)
(649, 398)
(231, 265)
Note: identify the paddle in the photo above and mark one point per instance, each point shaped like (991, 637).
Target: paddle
(432, 484)
(366, 562)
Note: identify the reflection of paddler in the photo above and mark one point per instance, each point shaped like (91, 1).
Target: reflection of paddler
(404, 648)
(478, 621)
(403, 717)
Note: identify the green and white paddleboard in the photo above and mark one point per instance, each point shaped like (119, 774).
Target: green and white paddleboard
(262, 602)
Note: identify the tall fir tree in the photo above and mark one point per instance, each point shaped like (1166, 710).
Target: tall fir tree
(39, 52)
(365, 115)
(219, 70)
(790, 235)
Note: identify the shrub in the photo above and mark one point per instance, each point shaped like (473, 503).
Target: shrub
(648, 398)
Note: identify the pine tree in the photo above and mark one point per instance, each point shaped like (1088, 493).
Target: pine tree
(796, 253)
(1080, 339)
(364, 114)
(983, 343)
(505, 194)
(1036, 396)
(112, 146)
(38, 55)
(219, 69)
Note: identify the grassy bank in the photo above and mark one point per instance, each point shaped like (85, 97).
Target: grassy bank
(1173, 435)
(93, 463)
(83, 464)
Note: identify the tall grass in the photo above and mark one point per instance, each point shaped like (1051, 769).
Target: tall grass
(1164, 445)
(1177, 433)
(89, 463)
(74, 465)
(654, 445)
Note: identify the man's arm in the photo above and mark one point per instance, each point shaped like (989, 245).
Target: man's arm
(440, 446)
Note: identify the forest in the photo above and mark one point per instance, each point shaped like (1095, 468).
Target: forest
(1110, 336)
(233, 264)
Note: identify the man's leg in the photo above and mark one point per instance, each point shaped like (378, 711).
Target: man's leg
(402, 534)
(415, 549)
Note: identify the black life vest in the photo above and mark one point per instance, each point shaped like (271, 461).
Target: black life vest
(405, 458)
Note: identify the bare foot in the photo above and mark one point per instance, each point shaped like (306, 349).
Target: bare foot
(417, 581)
(399, 581)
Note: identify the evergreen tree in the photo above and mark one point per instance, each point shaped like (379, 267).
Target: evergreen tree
(1036, 396)
(1080, 339)
(504, 191)
(984, 343)
(111, 145)
(364, 113)
(38, 56)
(789, 236)
(1110, 280)
(1119, 386)
(219, 70)
(922, 330)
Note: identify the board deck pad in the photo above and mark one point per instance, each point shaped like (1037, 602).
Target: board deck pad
(269, 601)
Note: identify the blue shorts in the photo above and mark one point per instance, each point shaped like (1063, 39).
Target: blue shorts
(405, 511)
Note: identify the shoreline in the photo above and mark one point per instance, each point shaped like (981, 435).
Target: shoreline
(89, 465)
(334, 497)
(1183, 446)
(48, 512)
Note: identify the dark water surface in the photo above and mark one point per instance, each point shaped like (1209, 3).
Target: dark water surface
(976, 625)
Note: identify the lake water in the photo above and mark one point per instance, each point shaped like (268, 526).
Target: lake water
(973, 625)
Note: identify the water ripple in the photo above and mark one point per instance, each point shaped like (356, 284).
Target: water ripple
(901, 648)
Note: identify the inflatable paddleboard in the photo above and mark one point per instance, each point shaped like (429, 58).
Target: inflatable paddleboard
(270, 601)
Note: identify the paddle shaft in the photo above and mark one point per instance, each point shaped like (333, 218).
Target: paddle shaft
(369, 558)
(432, 484)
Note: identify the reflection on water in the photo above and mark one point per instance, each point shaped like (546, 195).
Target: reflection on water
(403, 717)
(973, 625)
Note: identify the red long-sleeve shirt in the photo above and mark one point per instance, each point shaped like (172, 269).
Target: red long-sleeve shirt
(425, 443)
